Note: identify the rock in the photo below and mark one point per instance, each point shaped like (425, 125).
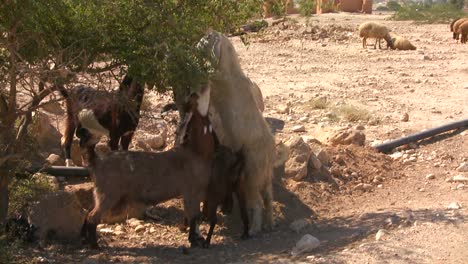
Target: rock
(155, 141)
(305, 244)
(430, 176)
(380, 234)
(315, 162)
(363, 187)
(283, 109)
(139, 228)
(453, 206)
(404, 117)
(296, 165)
(282, 154)
(59, 214)
(322, 155)
(425, 57)
(141, 144)
(460, 178)
(298, 225)
(102, 148)
(84, 193)
(304, 119)
(46, 135)
(152, 230)
(460, 186)
(463, 167)
(396, 155)
(298, 128)
(53, 107)
(348, 137)
(133, 222)
(106, 231)
(55, 160)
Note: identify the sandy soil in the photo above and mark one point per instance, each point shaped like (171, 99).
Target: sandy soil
(295, 63)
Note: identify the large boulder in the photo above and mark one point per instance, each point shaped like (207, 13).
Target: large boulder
(347, 137)
(84, 193)
(299, 155)
(58, 215)
(47, 136)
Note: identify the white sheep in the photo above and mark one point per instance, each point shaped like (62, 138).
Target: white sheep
(377, 31)
(401, 43)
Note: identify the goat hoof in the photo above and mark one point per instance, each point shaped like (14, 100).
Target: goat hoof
(197, 242)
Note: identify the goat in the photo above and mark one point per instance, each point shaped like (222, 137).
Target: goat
(377, 31)
(103, 113)
(242, 126)
(157, 177)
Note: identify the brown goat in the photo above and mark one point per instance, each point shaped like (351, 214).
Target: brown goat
(156, 177)
(102, 113)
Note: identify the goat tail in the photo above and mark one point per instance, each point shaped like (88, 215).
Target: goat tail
(89, 121)
(282, 154)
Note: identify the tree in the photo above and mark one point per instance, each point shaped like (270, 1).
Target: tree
(47, 43)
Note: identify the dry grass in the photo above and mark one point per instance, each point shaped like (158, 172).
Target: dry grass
(319, 103)
(352, 113)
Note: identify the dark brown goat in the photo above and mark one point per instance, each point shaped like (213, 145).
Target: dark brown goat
(102, 113)
(156, 177)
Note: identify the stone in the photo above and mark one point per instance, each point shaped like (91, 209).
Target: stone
(363, 187)
(315, 162)
(133, 222)
(140, 228)
(453, 206)
(348, 137)
(298, 225)
(53, 107)
(106, 231)
(322, 155)
(380, 234)
(460, 186)
(55, 160)
(102, 148)
(84, 193)
(304, 119)
(430, 176)
(282, 154)
(305, 244)
(283, 109)
(46, 135)
(396, 155)
(460, 178)
(298, 128)
(404, 117)
(58, 214)
(296, 165)
(155, 141)
(463, 167)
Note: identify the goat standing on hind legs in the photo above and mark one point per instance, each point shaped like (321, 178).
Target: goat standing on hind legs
(102, 113)
(242, 126)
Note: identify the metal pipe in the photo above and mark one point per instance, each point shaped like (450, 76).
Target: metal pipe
(388, 146)
(61, 171)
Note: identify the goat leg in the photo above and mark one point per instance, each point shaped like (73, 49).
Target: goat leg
(211, 208)
(194, 238)
(89, 234)
(240, 193)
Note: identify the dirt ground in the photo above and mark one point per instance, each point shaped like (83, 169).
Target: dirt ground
(295, 63)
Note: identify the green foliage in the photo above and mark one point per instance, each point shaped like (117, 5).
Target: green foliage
(155, 39)
(277, 8)
(382, 8)
(428, 13)
(307, 7)
(393, 5)
(23, 191)
(459, 4)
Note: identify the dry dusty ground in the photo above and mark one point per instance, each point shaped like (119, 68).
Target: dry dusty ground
(295, 64)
